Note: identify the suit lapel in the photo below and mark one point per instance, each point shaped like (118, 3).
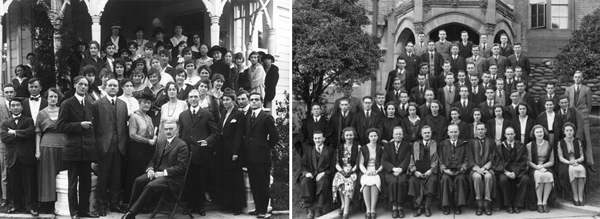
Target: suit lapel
(78, 108)
(314, 158)
(258, 117)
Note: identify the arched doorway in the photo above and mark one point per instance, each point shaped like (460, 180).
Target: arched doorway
(453, 31)
(405, 36)
(497, 36)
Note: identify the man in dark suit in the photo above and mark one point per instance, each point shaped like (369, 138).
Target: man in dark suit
(518, 59)
(481, 151)
(461, 77)
(367, 119)
(198, 128)
(394, 95)
(355, 103)
(314, 122)
(379, 105)
(421, 46)
(456, 61)
(402, 107)
(551, 121)
(75, 120)
(340, 120)
(511, 83)
(580, 97)
(261, 136)
(505, 48)
(527, 98)
(110, 125)
(417, 94)
(477, 93)
(35, 103)
(18, 134)
(550, 86)
(400, 73)
(165, 171)
(231, 142)
(512, 109)
(465, 45)
(448, 94)
(487, 106)
(453, 167)
(435, 60)
(316, 173)
(497, 59)
(395, 161)
(271, 78)
(443, 46)
(464, 105)
(501, 97)
(413, 61)
(510, 165)
(486, 81)
(242, 101)
(5, 114)
(425, 109)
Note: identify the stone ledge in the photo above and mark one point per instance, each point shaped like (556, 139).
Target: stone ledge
(42, 216)
(568, 205)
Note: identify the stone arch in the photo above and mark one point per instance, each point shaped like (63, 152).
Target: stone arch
(402, 25)
(454, 17)
(406, 35)
(503, 25)
(499, 33)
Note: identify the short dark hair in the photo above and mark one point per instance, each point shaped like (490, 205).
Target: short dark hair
(256, 93)
(33, 80)
(87, 70)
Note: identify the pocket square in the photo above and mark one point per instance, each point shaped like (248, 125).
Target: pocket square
(233, 121)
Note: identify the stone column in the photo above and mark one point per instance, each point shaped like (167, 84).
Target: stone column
(2, 78)
(96, 28)
(272, 41)
(214, 30)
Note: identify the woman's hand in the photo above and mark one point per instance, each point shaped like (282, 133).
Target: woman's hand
(37, 154)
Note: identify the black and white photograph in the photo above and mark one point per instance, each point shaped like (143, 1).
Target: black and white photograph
(145, 108)
(445, 109)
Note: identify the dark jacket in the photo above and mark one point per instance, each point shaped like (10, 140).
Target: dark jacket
(174, 160)
(202, 127)
(22, 145)
(231, 137)
(106, 125)
(80, 143)
(260, 137)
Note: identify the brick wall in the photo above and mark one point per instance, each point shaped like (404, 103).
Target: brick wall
(584, 7)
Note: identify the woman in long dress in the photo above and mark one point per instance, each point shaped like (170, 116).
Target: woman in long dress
(142, 139)
(541, 161)
(49, 144)
(570, 168)
(257, 75)
(345, 178)
(369, 162)
(172, 108)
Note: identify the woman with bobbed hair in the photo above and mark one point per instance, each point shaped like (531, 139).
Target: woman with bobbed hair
(389, 122)
(345, 179)
(412, 124)
(257, 74)
(570, 168)
(369, 162)
(49, 144)
(541, 161)
(93, 58)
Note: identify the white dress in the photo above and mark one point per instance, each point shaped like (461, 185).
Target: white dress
(366, 180)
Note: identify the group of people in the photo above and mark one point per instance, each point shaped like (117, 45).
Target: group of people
(135, 119)
(455, 123)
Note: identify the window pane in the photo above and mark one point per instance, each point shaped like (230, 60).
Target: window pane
(560, 16)
(560, 11)
(536, 1)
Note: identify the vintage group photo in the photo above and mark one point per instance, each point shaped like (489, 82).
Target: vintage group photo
(145, 109)
(445, 109)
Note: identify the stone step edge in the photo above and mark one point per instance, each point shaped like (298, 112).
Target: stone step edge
(568, 205)
(41, 216)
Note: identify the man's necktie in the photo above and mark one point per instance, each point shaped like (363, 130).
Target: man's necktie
(112, 101)
(82, 103)
(397, 94)
(34, 98)
(368, 115)
(253, 116)
(464, 104)
(319, 149)
(194, 113)
(397, 147)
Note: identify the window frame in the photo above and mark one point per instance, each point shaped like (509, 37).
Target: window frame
(544, 16)
(547, 15)
(552, 16)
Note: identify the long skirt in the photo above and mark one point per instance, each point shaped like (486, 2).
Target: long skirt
(138, 157)
(49, 166)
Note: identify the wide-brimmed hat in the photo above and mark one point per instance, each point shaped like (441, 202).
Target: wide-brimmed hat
(269, 56)
(145, 94)
(216, 48)
(229, 93)
(157, 30)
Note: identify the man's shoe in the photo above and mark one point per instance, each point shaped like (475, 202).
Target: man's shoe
(427, 212)
(457, 210)
(488, 211)
(89, 214)
(311, 214)
(446, 210)
(591, 167)
(260, 215)
(117, 209)
(201, 212)
(34, 213)
(478, 212)
(253, 213)
(102, 212)
(418, 212)
(75, 216)
(400, 213)
(395, 213)
(4, 203)
(510, 210)
(128, 215)
(13, 210)
(516, 210)
(237, 212)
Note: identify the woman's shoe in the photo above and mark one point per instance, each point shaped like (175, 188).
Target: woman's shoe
(373, 215)
(368, 215)
(546, 210)
(345, 216)
(540, 209)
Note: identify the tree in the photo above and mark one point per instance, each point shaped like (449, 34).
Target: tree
(330, 47)
(583, 50)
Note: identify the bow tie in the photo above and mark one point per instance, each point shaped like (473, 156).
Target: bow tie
(34, 98)
(17, 117)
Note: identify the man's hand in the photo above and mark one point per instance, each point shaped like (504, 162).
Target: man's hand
(449, 172)
(234, 157)
(86, 124)
(203, 143)
(320, 175)
(150, 174)
(308, 175)
(12, 132)
(418, 174)
(152, 141)
(159, 174)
